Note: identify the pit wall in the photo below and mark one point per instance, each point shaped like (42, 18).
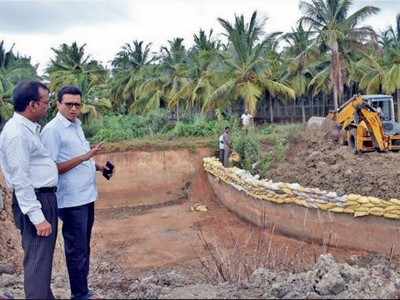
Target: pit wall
(349, 221)
(152, 177)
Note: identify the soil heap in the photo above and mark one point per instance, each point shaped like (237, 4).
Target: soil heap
(315, 159)
(10, 247)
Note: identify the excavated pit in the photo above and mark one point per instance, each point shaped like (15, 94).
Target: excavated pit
(144, 219)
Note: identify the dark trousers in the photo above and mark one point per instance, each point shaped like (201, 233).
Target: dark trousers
(76, 230)
(221, 155)
(38, 251)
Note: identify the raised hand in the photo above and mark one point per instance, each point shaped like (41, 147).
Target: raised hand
(94, 151)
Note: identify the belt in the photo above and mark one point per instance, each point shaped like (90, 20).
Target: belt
(51, 189)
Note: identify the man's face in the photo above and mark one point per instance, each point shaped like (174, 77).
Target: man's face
(41, 107)
(70, 106)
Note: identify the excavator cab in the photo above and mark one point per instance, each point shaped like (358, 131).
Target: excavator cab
(385, 107)
(367, 123)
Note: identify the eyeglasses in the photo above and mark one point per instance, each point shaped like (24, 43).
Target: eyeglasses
(72, 104)
(45, 102)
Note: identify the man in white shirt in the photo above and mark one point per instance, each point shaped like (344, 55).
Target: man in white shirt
(32, 174)
(221, 148)
(226, 144)
(246, 120)
(64, 138)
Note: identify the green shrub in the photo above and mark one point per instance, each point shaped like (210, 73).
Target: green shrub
(265, 164)
(200, 126)
(115, 128)
(248, 147)
(156, 121)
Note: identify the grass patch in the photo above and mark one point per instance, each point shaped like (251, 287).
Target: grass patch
(160, 143)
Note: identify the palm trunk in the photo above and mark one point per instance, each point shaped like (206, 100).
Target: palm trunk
(398, 104)
(336, 75)
(312, 106)
(303, 110)
(271, 109)
(177, 112)
(287, 112)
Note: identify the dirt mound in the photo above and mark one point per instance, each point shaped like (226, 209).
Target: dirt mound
(10, 249)
(327, 279)
(315, 159)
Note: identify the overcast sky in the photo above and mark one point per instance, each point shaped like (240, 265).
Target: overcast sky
(37, 25)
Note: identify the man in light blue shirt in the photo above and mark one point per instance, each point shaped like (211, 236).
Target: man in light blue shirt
(32, 175)
(64, 138)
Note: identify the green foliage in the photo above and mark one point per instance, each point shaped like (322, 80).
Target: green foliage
(278, 136)
(248, 147)
(199, 127)
(114, 128)
(265, 164)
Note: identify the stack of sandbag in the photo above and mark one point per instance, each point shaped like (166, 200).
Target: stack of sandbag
(294, 193)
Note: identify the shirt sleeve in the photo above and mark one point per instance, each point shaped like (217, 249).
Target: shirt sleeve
(17, 155)
(51, 141)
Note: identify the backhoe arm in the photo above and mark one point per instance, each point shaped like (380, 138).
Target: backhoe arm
(375, 126)
(345, 113)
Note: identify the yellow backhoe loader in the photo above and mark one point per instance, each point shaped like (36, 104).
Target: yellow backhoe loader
(367, 123)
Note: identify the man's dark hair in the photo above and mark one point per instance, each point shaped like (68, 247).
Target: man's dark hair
(227, 128)
(68, 90)
(25, 92)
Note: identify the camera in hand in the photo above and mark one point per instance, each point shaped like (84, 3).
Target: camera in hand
(108, 170)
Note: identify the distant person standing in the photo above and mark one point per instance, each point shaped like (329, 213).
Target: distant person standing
(221, 148)
(246, 119)
(227, 146)
(77, 192)
(32, 174)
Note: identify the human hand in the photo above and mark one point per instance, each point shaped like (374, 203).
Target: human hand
(43, 229)
(93, 151)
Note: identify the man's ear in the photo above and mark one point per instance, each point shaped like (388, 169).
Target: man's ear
(31, 105)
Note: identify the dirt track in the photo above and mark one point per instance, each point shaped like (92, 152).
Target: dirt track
(314, 159)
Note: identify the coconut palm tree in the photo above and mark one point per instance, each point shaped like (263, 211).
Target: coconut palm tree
(202, 59)
(379, 71)
(128, 73)
(72, 65)
(244, 74)
(176, 71)
(299, 54)
(13, 68)
(392, 58)
(393, 34)
(337, 31)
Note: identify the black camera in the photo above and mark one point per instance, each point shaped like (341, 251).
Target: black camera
(108, 170)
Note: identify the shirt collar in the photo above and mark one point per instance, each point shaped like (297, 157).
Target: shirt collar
(32, 126)
(67, 122)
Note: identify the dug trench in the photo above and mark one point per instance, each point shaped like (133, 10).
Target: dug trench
(149, 241)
